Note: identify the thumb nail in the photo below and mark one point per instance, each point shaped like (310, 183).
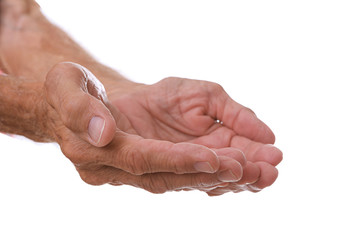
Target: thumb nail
(96, 128)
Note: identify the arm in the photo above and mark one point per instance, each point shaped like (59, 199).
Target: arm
(45, 113)
(28, 39)
(185, 116)
(22, 109)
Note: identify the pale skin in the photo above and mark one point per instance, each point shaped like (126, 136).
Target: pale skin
(160, 137)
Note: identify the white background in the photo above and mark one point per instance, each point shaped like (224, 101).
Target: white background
(295, 63)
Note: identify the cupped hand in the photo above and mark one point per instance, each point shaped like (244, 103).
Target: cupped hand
(185, 110)
(173, 111)
(90, 133)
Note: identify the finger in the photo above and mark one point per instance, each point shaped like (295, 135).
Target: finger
(139, 156)
(267, 177)
(254, 151)
(256, 176)
(221, 190)
(231, 156)
(232, 188)
(237, 117)
(207, 189)
(217, 192)
(233, 153)
(155, 183)
(251, 174)
(258, 152)
(79, 98)
(230, 170)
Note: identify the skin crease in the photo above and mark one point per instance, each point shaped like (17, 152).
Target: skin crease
(144, 123)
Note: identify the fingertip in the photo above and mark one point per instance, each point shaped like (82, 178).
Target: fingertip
(233, 153)
(213, 160)
(268, 176)
(108, 134)
(250, 126)
(251, 173)
(217, 192)
(231, 170)
(269, 136)
(265, 134)
(270, 154)
(207, 160)
(238, 171)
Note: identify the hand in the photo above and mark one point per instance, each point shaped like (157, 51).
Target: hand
(184, 110)
(87, 127)
(35, 29)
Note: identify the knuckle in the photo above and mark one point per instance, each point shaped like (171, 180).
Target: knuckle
(65, 67)
(250, 110)
(175, 82)
(168, 79)
(57, 71)
(133, 161)
(227, 136)
(61, 72)
(215, 87)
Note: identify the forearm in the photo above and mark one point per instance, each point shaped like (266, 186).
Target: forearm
(46, 45)
(23, 110)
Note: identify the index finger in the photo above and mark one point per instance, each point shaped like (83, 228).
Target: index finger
(139, 156)
(238, 118)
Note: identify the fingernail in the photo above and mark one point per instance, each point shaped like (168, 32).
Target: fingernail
(96, 128)
(227, 176)
(204, 167)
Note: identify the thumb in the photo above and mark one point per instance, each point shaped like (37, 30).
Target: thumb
(80, 100)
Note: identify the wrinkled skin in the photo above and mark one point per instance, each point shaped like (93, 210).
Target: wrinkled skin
(176, 110)
(180, 110)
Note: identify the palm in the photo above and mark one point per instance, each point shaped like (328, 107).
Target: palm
(180, 110)
(175, 110)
